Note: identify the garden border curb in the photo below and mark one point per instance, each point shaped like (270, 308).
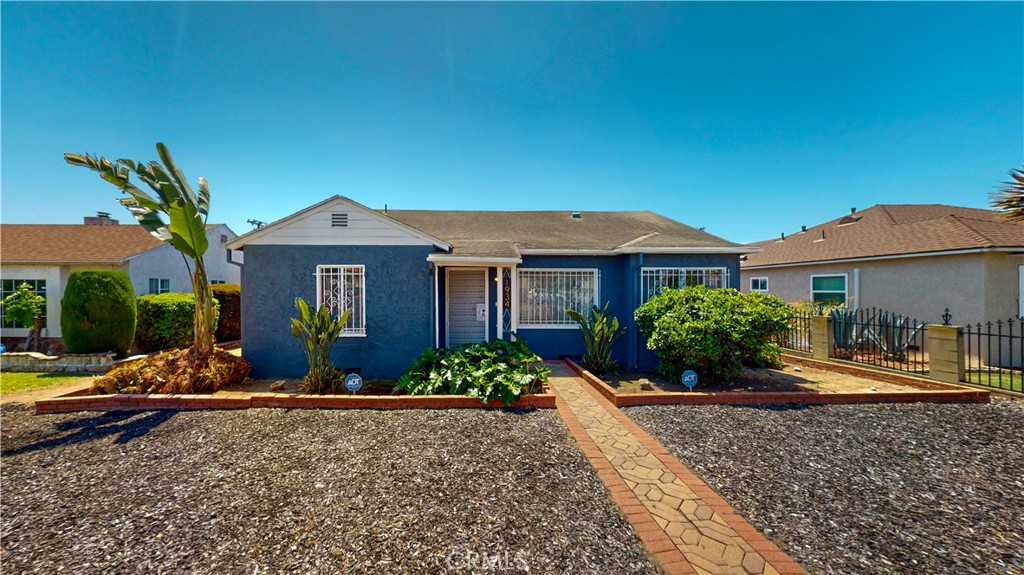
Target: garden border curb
(928, 391)
(76, 401)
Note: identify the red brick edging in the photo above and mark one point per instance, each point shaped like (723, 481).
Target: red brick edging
(241, 400)
(926, 391)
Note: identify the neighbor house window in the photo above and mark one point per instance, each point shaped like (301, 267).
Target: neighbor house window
(759, 284)
(11, 286)
(828, 289)
(655, 280)
(343, 288)
(159, 285)
(545, 294)
(216, 282)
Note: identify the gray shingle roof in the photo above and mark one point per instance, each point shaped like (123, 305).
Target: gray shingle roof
(494, 233)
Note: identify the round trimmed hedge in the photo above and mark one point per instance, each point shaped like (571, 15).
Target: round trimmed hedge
(97, 312)
(167, 321)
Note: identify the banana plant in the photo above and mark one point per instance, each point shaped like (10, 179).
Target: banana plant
(185, 226)
(318, 331)
(599, 329)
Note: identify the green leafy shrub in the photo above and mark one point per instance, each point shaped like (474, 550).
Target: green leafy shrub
(318, 331)
(496, 370)
(599, 329)
(24, 308)
(97, 312)
(167, 321)
(713, 331)
(229, 322)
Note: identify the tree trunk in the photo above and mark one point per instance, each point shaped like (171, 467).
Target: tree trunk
(32, 340)
(204, 320)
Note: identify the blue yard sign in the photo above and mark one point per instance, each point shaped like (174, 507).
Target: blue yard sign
(689, 379)
(353, 382)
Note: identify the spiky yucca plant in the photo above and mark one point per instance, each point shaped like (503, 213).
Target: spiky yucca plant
(318, 331)
(599, 330)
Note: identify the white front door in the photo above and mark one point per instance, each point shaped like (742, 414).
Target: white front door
(467, 306)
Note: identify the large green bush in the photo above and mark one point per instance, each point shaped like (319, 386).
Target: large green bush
(713, 331)
(229, 323)
(97, 312)
(496, 370)
(167, 321)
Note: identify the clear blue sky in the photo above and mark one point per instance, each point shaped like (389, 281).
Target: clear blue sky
(749, 119)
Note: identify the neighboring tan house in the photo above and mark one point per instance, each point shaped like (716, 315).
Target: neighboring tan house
(916, 260)
(412, 280)
(43, 255)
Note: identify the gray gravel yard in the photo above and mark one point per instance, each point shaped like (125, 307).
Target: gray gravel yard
(304, 491)
(850, 489)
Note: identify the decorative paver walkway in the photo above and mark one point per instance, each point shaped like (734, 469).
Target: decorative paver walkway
(683, 522)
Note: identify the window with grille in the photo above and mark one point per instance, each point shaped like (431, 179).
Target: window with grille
(342, 288)
(655, 280)
(545, 294)
(159, 285)
(11, 286)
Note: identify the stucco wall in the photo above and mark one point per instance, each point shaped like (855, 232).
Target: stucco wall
(166, 262)
(399, 314)
(54, 291)
(975, 287)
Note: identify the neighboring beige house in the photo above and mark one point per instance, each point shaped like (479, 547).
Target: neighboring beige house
(43, 255)
(912, 259)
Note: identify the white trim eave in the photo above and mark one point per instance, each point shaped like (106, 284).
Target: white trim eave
(69, 263)
(240, 241)
(892, 257)
(641, 250)
(449, 260)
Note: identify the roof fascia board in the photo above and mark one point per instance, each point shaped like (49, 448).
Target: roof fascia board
(240, 241)
(628, 250)
(455, 260)
(877, 258)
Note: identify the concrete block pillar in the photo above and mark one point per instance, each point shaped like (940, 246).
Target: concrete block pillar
(821, 337)
(946, 353)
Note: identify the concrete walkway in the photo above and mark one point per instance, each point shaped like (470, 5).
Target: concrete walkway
(684, 523)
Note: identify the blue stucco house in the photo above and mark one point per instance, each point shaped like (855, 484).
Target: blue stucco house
(413, 279)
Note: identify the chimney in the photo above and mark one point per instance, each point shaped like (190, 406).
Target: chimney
(100, 219)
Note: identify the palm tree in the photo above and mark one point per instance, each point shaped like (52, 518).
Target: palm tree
(185, 229)
(1010, 198)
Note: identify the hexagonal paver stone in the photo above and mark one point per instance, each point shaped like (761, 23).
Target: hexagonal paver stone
(703, 512)
(753, 563)
(654, 494)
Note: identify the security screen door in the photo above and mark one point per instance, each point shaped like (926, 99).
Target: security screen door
(467, 305)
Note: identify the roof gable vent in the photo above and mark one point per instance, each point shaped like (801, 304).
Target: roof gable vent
(849, 220)
(339, 220)
(576, 215)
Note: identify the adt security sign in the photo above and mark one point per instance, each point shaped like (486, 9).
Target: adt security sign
(353, 382)
(689, 379)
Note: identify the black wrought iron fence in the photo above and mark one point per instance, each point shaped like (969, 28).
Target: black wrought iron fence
(798, 336)
(994, 354)
(880, 338)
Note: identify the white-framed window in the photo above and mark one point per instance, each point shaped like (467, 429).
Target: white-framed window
(759, 284)
(828, 288)
(654, 280)
(159, 285)
(545, 294)
(340, 288)
(214, 282)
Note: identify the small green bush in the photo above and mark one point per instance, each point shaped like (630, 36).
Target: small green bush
(600, 329)
(97, 312)
(713, 331)
(229, 324)
(167, 321)
(496, 370)
(318, 331)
